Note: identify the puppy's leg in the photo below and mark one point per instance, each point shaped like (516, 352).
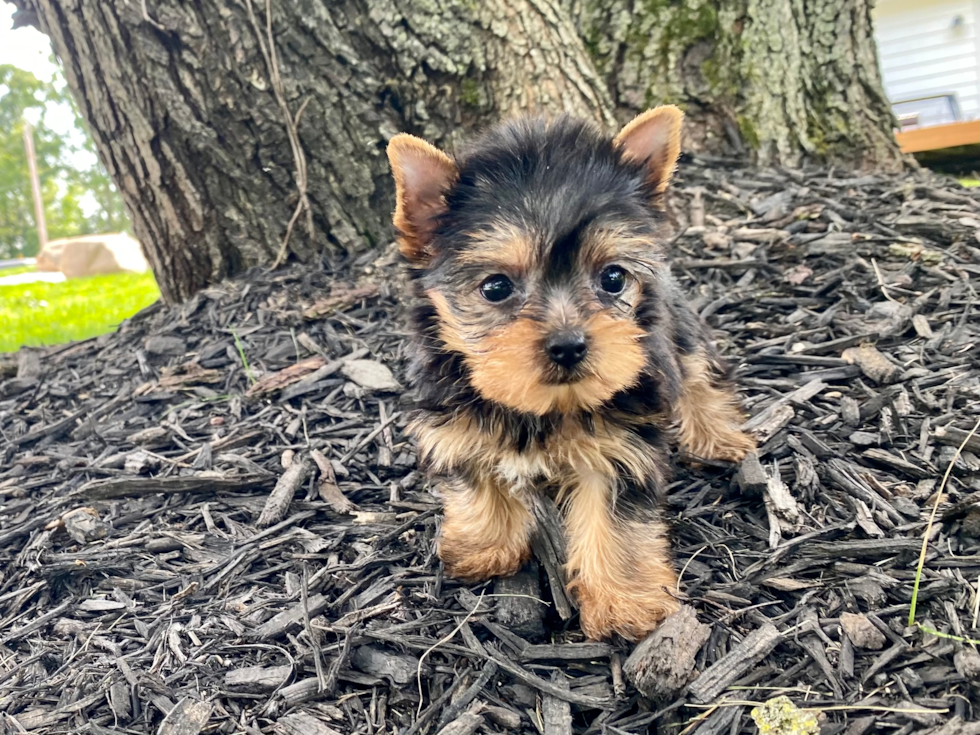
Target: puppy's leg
(619, 563)
(486, 530)
(708, 412)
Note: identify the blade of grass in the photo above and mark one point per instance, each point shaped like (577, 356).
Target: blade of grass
(950, 636)
(241, 354)
(932, 518)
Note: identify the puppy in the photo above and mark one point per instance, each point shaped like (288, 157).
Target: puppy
(555, 353)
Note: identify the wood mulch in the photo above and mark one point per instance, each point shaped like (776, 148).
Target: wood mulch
(211, 521)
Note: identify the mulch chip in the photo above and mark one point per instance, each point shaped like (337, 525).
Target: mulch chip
(211, 521)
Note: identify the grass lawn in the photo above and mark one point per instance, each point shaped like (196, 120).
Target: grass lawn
(51, 313)
(15, 271)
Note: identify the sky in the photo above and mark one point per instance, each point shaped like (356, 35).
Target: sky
(29, 49)
(25, 48)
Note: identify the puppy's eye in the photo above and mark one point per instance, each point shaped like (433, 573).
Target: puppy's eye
(612, 279)
(496, 288)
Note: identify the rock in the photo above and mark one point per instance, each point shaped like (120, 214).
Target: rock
(370, 374)
(861, 631)
(91, 255)
(49, 258)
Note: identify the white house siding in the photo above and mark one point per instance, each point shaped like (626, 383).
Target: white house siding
(923, 51)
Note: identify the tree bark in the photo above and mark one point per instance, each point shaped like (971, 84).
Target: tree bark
(228, 132)
(182, 104)
(783, 80)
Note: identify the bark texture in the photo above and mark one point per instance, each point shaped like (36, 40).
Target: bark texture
(225, 128)
(786, 80)
(183, 107)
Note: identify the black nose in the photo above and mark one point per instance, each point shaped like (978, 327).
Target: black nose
(566, 347)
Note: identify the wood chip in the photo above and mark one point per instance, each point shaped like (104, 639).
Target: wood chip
(188, 718)
(739, 660)
(663, 664)
(872, 363)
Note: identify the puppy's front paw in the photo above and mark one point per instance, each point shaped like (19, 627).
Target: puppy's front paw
(726, 444)
(631, 613)
(472, 563)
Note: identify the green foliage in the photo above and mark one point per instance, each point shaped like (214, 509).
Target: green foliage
(78, 195)
(51, 313)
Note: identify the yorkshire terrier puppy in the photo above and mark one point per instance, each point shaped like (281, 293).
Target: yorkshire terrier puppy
(555, 353)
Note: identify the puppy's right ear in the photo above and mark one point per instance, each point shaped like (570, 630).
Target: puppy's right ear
(423, 174)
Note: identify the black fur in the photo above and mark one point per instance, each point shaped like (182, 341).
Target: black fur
(554, 179)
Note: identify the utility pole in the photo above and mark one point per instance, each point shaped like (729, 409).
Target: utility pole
(42, 228)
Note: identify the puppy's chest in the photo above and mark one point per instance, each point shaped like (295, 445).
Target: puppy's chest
(559, 459)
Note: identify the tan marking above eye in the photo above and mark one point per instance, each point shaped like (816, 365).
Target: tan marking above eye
(607, 244)
(503, 247)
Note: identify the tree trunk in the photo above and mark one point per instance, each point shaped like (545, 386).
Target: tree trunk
(786, 80)
(183, 105)
(229, 133)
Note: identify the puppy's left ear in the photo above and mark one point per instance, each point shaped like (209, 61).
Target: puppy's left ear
(654, 138)
(423, 174)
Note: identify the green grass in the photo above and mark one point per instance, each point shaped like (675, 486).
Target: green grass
(15, 271)
(970, 183)
(52, 313)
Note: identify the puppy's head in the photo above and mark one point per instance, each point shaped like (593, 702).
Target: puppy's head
(540, 252)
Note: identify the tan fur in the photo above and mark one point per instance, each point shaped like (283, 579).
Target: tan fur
(503, 249)
(422, 175)
(654, 137)
(619, 571)
(505, 366)
(608, 244)
(709, 417)
(486, 531)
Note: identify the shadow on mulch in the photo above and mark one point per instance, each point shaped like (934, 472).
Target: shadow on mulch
(162, 571)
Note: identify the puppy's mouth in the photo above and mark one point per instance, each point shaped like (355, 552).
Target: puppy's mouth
(565, 377)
